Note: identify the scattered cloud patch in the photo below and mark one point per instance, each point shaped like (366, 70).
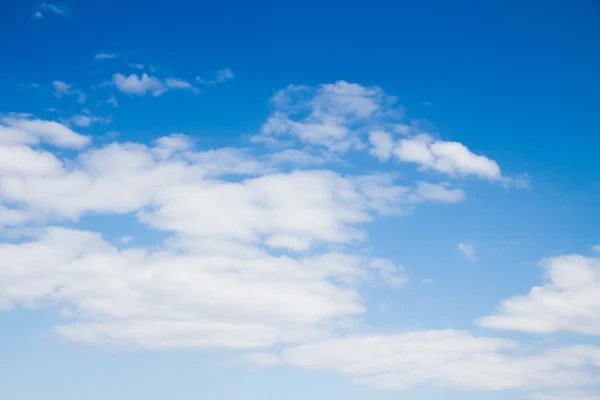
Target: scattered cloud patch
(220, 76)
(467, 251)
(176, 83)
(64, 89)
(141, 85)
(87, 119)
(21, 131)
(53, 9)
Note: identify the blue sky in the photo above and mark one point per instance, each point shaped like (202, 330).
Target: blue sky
(300, 200)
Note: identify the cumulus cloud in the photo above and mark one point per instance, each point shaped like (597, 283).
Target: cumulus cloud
(204, 298)
(342, 116)
(24, 130)
(247, 262)
(446, 358)
(329, 115)
(451, 158)
(263, 247)
(568, 301)
(467, 251)
(139, 85)
(146, 84)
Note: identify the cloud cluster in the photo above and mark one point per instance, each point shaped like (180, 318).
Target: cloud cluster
(340, 117)
(244, 265)
(146, 84)
(443, 358)
(215, 294)
(264, 245)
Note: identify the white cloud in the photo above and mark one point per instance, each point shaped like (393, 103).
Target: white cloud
(568, 301)
(224, 75)
(144, 84)
(62, 88)
(86, 120)
(220, 279)
(383, 144)
(467, 251)
(112, 100)
(11, 217)
(596, 248)
(15, 130)
(105, 56)
(324, 116)
(338, 117)
(55, 9)
(176, 83)
(206, 297)
(451, 158)
(571, 395)
(220, 76)
(139, 85)
(448, 358)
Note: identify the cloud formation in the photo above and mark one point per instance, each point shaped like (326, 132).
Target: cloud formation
(569, 300)
(442, 358)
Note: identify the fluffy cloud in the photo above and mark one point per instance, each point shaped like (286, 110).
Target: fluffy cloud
(330, 115)
(451, 158)
(262, 248)
(449, 359)
(139, 85)
(383, 145)
(221, 278)
(209, 296)
(339, 117)
(144, 84)
(568, 301)
(467, 251)
(23, 130)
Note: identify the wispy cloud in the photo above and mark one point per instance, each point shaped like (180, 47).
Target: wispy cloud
(105, 56)
(467, 251)
(62, 88)
(220, 76)
(54, 9)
